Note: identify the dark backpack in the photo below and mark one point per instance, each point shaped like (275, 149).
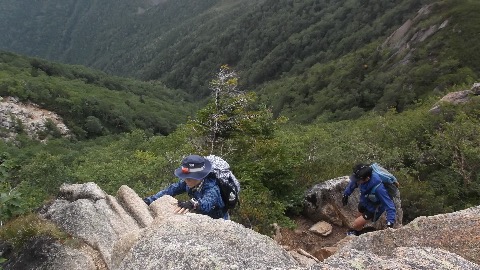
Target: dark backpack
(389, 181)
(228, 183)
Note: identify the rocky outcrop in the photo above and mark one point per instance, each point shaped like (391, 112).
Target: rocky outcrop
(458, 97)
(27, 117)
(198, 242)
(124, 233)
(100, 220)
(409, 33)
(402, 258)
(323, 202)
(447, 241)
(128, 234)
(412, 32)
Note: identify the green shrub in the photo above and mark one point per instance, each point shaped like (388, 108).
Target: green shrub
(17, 231)
(258, 210)
(10, 205)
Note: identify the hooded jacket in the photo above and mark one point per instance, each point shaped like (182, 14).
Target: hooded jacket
(383, 200)
(207, 194)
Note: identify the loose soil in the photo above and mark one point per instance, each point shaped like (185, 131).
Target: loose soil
(302, 238)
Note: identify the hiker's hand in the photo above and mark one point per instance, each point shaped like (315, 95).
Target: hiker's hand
(184, 207)
(187, 205)
(345, 200)
(390, 224)
(147, 201)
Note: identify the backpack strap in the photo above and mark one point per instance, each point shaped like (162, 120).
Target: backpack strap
(372, 191)
(371, 196)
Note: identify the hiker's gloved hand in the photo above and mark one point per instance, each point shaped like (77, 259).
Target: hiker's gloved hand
(390, 224)
(147, 200)
(186, 205)
(345, 200)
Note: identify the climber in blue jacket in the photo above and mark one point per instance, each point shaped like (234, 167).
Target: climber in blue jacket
(374, 198)
(201, 186)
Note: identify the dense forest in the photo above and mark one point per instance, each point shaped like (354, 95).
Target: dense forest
(299, 102)
(291, 64)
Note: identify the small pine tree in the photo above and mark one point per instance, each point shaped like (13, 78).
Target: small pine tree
(231, 114)
(224, 88)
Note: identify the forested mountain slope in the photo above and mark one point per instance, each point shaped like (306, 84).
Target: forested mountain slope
(180, 41)
(431, 51)
(313, 59)
(91, 102)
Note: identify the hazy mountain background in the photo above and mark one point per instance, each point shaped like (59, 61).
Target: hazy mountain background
(317, 56)
(355, 79)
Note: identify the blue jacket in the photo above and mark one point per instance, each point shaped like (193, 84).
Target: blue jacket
(208, 195)
(383, 200)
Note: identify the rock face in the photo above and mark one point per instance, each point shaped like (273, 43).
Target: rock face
(412, 32)
(124, 233)
(435, 242)
(459, 97)
(86, 212)
(128, 234)
(198, 242)
(324, 203)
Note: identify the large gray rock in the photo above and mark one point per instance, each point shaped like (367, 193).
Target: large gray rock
(447, 241)
(455, 98)
(475, 89)
(134, 205)
(323, 202)
(73, 192)
(86, 212)
(401, 258)
(194, 241)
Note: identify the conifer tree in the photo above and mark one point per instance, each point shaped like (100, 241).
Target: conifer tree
(231, 113)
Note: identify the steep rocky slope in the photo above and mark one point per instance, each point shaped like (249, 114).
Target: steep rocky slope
(17, 117)
(123, 233)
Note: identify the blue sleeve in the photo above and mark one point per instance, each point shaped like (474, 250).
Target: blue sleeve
(350, 188)
(172, 190)
(211, 199)
(387, 202)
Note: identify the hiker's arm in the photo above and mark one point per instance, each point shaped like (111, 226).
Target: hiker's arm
(352, 185)
(211, 199)
(172, 190)
(385, 199)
